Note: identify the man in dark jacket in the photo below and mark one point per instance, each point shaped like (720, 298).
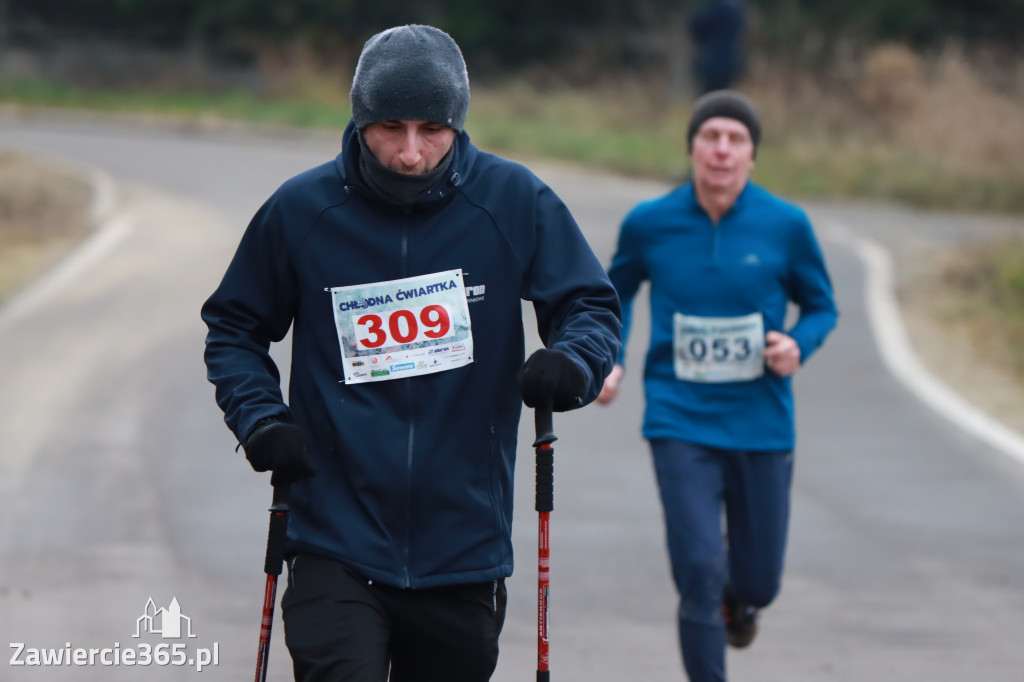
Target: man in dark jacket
(400, 267)
(717, 30)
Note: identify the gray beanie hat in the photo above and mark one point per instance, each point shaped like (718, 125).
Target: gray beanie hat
(727, 104)
(410, 72)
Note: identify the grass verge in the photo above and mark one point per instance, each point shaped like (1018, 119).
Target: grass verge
(983, 290)
(44, 212)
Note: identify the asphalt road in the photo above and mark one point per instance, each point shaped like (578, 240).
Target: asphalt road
(120, 482)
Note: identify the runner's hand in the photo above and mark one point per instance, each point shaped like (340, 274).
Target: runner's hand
(279, 447)
(610, 390)
(782, 354)
(550, 377)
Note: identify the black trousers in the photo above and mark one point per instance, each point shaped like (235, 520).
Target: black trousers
(341, 627)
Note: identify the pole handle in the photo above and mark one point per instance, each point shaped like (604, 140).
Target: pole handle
(545, 491)
(544, 423)
(277, 535)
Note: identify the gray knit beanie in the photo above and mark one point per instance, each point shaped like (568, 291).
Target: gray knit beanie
(410, 72)
(727, 104)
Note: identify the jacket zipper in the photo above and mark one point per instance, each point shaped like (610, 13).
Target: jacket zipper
(408, 485)
(409, 446)
(715, 229)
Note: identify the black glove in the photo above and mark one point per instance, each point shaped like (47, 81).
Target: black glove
(280, 447)
(550, 377)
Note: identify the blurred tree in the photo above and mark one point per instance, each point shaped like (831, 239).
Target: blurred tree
(508, 34)
(149, 21)
(920, 22)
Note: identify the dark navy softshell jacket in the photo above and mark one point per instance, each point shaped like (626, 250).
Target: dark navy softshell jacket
(414, 475)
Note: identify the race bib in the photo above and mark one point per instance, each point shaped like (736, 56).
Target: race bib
(404, 327)
(718, 349)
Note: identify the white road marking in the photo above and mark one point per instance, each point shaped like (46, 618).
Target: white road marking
(898, 355)
(111, 229)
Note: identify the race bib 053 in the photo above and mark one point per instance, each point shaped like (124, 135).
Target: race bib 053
(718, 349)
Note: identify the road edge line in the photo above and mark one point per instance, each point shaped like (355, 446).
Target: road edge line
(898, 355)
(111, 228)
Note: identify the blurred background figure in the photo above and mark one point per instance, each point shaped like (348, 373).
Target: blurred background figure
(717, 31)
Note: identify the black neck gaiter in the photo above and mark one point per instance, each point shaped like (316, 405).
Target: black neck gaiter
(394, 187)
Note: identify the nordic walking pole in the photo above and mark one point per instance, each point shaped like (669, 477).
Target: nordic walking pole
(545, 503)
(276, 538)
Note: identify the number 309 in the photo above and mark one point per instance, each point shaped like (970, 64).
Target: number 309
(403, 326)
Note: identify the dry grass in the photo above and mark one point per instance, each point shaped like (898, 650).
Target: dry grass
(984, 296)
(44, 211)
(944, 130)
(965, 315)
(941, 131)
(946, 111)
(950, 105)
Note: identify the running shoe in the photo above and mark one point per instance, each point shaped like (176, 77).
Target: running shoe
(740, 621)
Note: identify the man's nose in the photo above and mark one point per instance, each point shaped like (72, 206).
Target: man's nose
(411, 148)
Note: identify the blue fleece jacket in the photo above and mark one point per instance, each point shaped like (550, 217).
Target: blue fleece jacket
(414, 475)
(761, 256)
